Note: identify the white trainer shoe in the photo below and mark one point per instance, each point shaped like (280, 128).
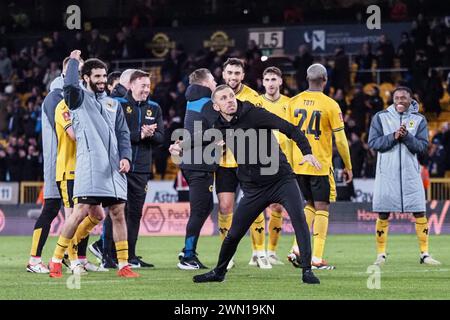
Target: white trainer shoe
(231, 264)
(37, 268)
(427, 259)
(381, 259)
(263, 263)
(252, 261)
(274, 260)
(78, 270)
(94, 268)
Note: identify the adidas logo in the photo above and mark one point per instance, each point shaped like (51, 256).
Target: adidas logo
(380, 232)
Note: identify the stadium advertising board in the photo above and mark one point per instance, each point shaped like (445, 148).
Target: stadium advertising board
(164, 219)
(326, 38)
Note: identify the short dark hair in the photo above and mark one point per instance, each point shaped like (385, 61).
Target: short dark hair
(139, 74)
(219, 88)
(273, 70)
(403, 88)
(92, 63)
(234, 62)
(198, 76)
(113, 76)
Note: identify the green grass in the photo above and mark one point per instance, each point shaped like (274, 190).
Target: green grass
(402, 277)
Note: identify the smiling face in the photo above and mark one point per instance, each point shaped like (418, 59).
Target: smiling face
(233, 76)
(96, 80)
(272, 83)
(225, 101)
(402, 100)
(140, 88)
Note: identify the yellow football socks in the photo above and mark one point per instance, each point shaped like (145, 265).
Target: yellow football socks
(258, 234)
(382, 227)
(320, 233)
(122, 253)
(61, 246)
(224, 224)
(422, 233)
(275, 225)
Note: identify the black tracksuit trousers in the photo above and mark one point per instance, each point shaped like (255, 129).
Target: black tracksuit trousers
(136, 193)
(201, 202)
(256, 198)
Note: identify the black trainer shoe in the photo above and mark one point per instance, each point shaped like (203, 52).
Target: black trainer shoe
(210, 276)
(294, 259)
(108, 262)
(96, 249)
(309, 277)
(136, 262)
(191, 263)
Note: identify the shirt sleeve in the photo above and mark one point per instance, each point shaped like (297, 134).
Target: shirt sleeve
(336, 118)
(62, 117)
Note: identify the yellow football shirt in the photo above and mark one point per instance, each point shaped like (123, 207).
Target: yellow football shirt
(66, 151)
(244, 94)
(318, 116)
(279, 108)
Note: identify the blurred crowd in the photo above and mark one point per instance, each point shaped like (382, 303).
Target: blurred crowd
(26, 74)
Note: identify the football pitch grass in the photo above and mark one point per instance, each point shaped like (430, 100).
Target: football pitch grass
(402, 277)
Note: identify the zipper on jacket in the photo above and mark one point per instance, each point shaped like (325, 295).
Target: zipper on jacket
(139, 128)
(111, 167)
(400, 161)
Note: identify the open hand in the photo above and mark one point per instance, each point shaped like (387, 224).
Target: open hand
(312, 161)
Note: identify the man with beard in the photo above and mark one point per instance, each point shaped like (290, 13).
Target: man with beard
(103, 158)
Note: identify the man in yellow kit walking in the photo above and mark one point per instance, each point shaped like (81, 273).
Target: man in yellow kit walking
(319, 117)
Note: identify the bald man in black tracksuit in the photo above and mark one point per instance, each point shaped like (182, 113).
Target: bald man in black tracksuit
(261, 190)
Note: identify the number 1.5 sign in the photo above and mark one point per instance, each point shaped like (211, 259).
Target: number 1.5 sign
(267, 39)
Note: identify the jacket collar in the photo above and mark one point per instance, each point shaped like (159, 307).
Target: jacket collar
(413, 108)
(196, 92)
(130, 99)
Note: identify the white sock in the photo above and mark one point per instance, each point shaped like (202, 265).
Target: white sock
(381, 255)
(83, 260)
(423, 254)
(55, 260)
(316, 260)
(261, 253)
(34, 260)
(122, 265)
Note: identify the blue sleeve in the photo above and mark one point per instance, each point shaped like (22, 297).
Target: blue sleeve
(73, 94)
(378, 141)
(419, 143)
